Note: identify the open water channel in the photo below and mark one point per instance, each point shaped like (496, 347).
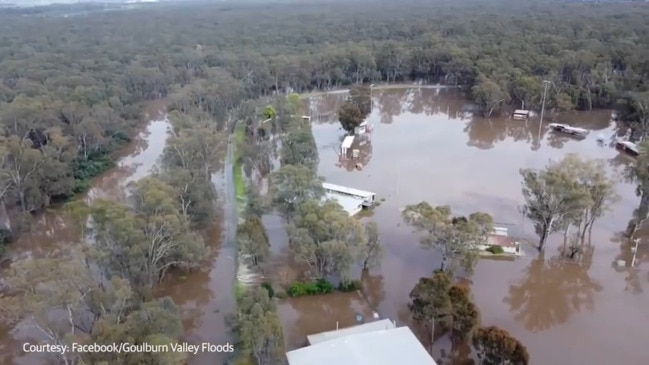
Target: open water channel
(204, 295)
(425, 145)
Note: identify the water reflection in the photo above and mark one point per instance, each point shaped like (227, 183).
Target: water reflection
(373, 289)
(637, 275)
(391, 103)
(410, 163)
(485, 133)
(309, 315)
(551, 290)
(359, 154)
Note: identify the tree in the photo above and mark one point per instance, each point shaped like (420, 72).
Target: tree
(259, 328)
(633, 112)
(360, 95)
(571, 192)
(291, 186)
(640, 175)
(465, 316)
(22, 166)
(496, 346)
(552, 197)
(350, 116)
(194, 144)
(141, 244)
(597, 187)
(40, 287)
(253, 239)
(430, 301)
(326, 238)
(299, 148)
(269, 112)
(455, 238)
(489, 96)
(371, 250)
(155, 323)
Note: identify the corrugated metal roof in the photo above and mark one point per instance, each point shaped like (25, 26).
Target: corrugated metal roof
(346, 190)
(386, 347)
(349, 203)
(383, 324)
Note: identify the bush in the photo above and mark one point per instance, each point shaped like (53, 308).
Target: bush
(269, 288)
(496, 250)
(350, 285)
(320, 286)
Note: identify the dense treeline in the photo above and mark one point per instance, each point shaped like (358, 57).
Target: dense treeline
(70, 93)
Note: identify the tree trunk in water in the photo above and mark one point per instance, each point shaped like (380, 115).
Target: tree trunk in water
(640, 214)
(543, 238)
(432, 335)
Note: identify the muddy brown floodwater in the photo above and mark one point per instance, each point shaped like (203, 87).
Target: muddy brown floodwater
(427, 146)
(204, 295)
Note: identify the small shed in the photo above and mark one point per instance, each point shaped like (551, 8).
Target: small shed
(346, 145)
(521, 114)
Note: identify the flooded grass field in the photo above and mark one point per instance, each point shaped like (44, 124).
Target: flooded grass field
(427, 146)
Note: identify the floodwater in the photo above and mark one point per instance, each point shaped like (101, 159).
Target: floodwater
(195, 292)
(427, 146)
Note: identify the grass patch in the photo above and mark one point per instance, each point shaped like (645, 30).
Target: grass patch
(239, 290)
(239, 182)
(496, 250)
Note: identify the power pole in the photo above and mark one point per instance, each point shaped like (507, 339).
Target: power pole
(635, 251)
(545, 91)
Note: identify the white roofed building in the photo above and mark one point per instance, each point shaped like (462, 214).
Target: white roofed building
(374, 343)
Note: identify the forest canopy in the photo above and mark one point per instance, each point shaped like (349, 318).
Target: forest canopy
(74, 77)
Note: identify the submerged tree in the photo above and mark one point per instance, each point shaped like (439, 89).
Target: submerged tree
(465, 316)
(259, 328)
(496, 346)
(489, 96)
(640, 175)
(372, 249)
(326, 238)
(430, 301)
(299, 149)
(143, 242)
(436, 299)
(455, 238)
(350, 116)
(253, 240)
(291, 186)
(565, 193)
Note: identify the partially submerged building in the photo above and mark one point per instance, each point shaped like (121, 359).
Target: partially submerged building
(374, 343)
(500, 237)
(628, 147)
(521, 114)
(352, 200)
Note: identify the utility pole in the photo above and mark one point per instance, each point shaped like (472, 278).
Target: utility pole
(371, 99)
(635, 251)
(545, 91)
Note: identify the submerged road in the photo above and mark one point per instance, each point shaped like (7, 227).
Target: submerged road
(228, 255)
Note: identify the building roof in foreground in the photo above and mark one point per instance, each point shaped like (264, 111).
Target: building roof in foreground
(382, 347)
(383, 324)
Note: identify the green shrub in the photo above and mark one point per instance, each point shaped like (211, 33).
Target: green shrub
(320, 286)
(496, 250)
(350, 285)
(269, 288)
